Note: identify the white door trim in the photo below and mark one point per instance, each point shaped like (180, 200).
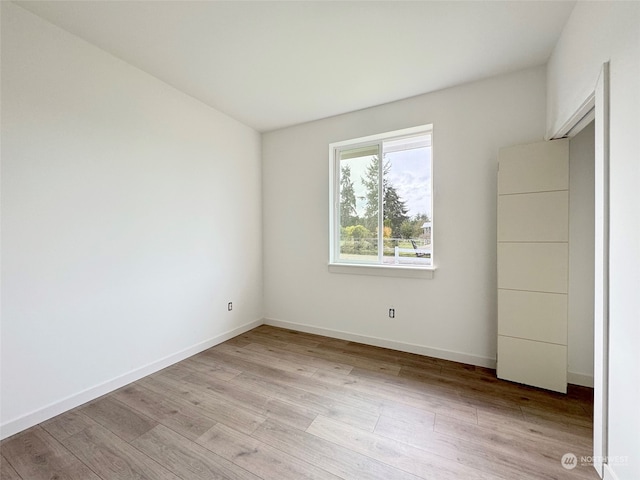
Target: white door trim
(601, 298)
(596, 105)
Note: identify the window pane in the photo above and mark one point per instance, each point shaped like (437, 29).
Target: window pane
(407, 200)
(358, 211)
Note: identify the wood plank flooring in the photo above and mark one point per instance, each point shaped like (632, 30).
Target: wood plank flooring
(275, 404)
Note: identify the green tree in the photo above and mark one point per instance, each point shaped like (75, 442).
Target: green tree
(421, 218)
(371, 183)
(357, 232)
(348, 213)
(394, 208)
(358, 240)
(407, 229)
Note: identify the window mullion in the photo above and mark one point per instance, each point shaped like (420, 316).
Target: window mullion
(335, 206)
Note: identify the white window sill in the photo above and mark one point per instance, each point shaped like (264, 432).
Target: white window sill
(406, 271)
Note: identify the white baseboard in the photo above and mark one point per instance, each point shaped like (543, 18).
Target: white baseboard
(580, 379)
(573, 378)
(29, 420)
(392, 344)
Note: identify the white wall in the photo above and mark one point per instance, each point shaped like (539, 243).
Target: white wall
(581, 255)
(452, 315)
(130, 217)
(597, 32)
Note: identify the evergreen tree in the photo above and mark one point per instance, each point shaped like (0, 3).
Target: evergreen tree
(394, 208)
(421, 218)
(371, 183)
(348, 212)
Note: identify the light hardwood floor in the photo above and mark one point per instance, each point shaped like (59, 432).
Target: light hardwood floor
(277, 404)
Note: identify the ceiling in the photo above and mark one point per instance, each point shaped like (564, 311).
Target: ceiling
(271, 64)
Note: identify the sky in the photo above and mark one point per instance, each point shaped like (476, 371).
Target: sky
(410, 175)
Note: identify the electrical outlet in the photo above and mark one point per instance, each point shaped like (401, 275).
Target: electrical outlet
(392, 313)
(230, 306)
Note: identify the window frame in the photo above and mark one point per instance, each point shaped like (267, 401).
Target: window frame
(367, 267)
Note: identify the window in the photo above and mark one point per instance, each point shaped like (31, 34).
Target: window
(381, 200)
